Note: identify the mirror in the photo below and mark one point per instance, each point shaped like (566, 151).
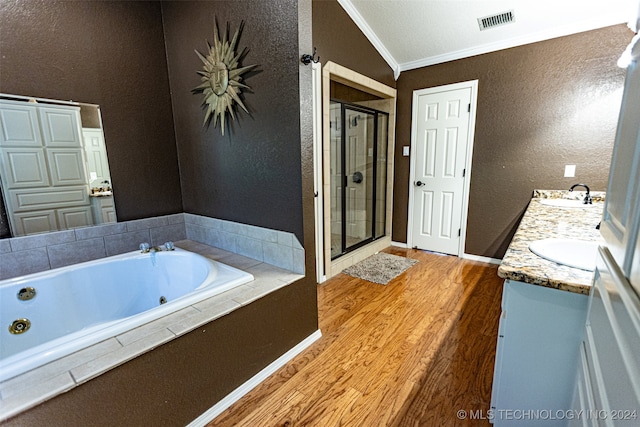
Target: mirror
(54, 171)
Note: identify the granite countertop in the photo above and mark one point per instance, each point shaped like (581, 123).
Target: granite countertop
(544, 222)
(101, 194)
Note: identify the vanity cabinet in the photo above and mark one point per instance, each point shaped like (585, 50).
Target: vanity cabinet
(608, 383)
(42, 167)
(609, 376)
(104, 210)
(538, 338)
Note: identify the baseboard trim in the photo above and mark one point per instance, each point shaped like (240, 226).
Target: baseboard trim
(399, 244)
(482, 259)
(254, 381)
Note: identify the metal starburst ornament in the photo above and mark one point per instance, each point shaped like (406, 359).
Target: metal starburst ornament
(221, 77)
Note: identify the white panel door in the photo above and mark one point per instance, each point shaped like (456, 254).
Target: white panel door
(34, 222)
(23, 167)
(66, 166)
(19, 125)
(441, 130)
(79, 216)
(95, 150)
(60, 126)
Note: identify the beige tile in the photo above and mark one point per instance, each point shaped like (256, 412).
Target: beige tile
(211, 310)
(264, 287)
(112, 359)
(217, 305)
(239, 261)
(39, 392)
(55, 368)
(143, 331)
(267, 271)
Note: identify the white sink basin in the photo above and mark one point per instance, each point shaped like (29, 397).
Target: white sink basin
(572, 253)
(565, 203)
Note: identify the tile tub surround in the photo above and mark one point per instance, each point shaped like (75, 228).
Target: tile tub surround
(278, 248)
(31, 254)
(38, 385)
(544, 222)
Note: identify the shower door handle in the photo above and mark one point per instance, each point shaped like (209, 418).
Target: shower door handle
(419, 183)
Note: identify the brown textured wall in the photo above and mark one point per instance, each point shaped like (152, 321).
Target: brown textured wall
(251, 174)
(540, 106)
(109, 53)
(338, 39)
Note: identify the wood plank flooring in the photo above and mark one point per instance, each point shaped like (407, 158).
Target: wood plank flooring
(411, 353)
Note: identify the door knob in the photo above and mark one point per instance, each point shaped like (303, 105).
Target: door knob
(419, 183)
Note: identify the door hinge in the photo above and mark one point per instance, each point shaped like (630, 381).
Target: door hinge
(459, 232)
(469, 108)
(464, 172)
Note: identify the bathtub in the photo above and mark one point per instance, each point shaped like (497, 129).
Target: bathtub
(49, 315)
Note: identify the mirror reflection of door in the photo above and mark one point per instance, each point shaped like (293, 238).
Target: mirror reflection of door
(358, 176)
(49, 181)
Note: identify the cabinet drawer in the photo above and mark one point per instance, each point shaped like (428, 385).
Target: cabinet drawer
(38, 199)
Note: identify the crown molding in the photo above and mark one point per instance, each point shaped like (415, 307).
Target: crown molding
(370, 35)
(509, 43)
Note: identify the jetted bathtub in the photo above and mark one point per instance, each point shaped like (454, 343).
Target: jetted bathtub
(48, 315)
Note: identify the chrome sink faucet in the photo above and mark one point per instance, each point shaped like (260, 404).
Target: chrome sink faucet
(146, 248)
(587, 199)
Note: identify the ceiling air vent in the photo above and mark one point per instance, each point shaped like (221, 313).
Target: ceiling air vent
(496, 20)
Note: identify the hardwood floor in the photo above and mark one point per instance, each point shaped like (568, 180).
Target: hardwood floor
(411, 353)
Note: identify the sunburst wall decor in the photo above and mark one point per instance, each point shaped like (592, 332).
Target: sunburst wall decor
(221, 77)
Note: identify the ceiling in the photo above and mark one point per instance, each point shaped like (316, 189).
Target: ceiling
(416, 33)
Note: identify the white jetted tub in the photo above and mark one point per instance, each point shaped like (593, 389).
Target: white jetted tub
(48, 315)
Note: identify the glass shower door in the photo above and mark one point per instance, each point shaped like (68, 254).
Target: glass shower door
(358, 168)
(358, 176)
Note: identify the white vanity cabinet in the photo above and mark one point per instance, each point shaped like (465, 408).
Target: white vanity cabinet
(42, 167)
(104, 210)
(608, 385)
(538, 338)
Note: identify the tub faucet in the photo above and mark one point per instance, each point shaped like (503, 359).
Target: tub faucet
(146, 248)
(587, 199)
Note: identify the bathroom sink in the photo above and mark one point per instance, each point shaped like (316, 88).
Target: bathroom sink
(565, 203)
(570, 252)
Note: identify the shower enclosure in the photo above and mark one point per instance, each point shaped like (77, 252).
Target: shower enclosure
(358, 176)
